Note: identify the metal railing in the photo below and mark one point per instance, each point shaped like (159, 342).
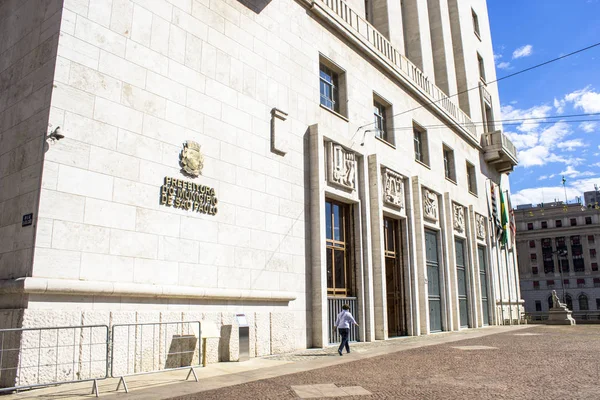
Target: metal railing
(499, 138)
(334, 307)
(35, 357)
(153, 347)
(381, 45)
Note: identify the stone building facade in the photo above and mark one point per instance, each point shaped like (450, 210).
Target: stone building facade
(557, 247)
(335, 168)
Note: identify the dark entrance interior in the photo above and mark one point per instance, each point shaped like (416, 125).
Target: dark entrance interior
(394, 277)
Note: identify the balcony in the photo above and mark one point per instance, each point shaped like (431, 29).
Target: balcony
(355, 28)
(499, 151)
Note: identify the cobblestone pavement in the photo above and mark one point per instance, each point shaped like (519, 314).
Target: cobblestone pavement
(542, 362)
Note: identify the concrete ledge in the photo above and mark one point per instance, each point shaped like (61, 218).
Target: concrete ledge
(97, 288)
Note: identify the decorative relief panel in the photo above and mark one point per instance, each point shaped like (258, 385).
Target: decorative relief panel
(342, 166)
(480, 226)
(430, 205)
(459, 217)
(393, 188)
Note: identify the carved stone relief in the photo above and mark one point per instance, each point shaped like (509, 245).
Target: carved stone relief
(480, 226)
(430, 205)
(459, 217)
(342, 166)
(393, 188)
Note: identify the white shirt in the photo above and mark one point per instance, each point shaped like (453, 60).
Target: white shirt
(344, 319)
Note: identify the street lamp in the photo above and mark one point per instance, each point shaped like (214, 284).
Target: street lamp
(561, 253)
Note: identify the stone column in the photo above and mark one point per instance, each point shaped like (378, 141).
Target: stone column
(417, 39)
(441, 44)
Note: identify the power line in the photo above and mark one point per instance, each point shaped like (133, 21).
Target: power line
(494, 81)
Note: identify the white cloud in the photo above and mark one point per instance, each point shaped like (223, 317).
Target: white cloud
(585, 99)
(575, 187)
(503, 65)
(497, 56)
(572, 172)
(528, 125)
(559, 105)
(523, 51)
(571, 145)
(588, 127)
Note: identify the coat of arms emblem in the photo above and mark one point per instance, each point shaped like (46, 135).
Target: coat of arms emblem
(192, 159)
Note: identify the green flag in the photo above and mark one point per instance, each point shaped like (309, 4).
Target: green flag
(503, 219)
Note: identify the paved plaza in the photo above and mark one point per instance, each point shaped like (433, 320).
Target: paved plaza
(518, 362)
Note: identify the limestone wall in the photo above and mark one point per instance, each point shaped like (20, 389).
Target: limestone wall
(29, 32)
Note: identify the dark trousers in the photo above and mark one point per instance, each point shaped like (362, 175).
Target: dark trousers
(344, 332)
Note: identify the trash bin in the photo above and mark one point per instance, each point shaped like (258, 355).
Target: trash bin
(244, 333)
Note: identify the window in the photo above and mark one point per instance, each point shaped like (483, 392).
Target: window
(368, 11)
(566, 283)
(339, 272)
(588, 220)
(558, 223)
(332, 87)
(534, 270)
(544, 224)
(564, 264)
(575, 240)
(569, 301)
(532, 244)
(580, 282)
(597, 283)
(449, 164)
(573, 221)
(489, 118)
(481, 67)
(471, 178)
(536, 284)
(597, 304)
(583, 302)
(578, 265)
(420, 138)
(550, 283)
(533, 257)
(594, 266)
(538, 305)
(592, 253)
(530, 226)
(591, 239)
(475, 23)
(382, 124)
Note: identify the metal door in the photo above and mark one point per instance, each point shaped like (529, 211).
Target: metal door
(433, 279)
(461, 281)
(484, 284)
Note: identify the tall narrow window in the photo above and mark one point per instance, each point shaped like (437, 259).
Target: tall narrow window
(381, 111)
(329, 88)
(420, 141)
(339, 273)
(475, 23)
(471, 178)
(481, 67)
(583, 302)
(449, 164)
(489, 118)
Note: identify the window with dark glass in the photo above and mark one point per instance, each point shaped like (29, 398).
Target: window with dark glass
(536, 284)
(580, 282)
(544, 224)
(534, 270)
(594, 266)
(538, 305)
(329, 88)
(591, 239)
(583, 302)
(566, 282)
(481, 67)
(558, 223)
(592, 253)
(530, 226)
(449, 164)
(420, 143)
(533, 257)
(547, 255)
(597, 304)
(471, 178)
(550, 283)
(573, 221)
(532, 244)
(475, 23)
(381, 122)
(569, 301)
(596, 282)
(588, 220)
(337, 227)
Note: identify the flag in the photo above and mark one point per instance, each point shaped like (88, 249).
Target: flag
(503, 218)
(564, 180)
(494, 211)
(513, 225)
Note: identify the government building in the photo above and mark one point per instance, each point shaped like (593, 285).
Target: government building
(557, 246)
(179, 160)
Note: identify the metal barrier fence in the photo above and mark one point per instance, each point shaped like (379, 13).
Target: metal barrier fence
(334, 307)
(153, 347)
(35, 357)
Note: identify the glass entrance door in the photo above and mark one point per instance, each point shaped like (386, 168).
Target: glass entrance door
(433, 279)
(484, 284)
(461, 275)
(394, 278)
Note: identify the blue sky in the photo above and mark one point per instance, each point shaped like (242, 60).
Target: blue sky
(529, 32)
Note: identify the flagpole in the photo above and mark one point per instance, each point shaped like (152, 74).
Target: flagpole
(492, 244)
(565, 188)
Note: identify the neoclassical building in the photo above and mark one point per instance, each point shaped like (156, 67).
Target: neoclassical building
(192, 160)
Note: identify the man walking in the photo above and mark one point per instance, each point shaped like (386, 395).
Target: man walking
(343, 321)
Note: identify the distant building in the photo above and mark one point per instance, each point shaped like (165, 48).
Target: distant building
(592, 198)
(557, 247)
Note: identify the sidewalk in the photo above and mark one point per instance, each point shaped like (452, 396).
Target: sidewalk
(170, 384)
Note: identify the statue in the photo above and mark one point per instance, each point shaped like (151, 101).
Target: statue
(555, 300)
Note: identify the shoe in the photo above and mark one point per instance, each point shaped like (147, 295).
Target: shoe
(340, 352)
(348, 352)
